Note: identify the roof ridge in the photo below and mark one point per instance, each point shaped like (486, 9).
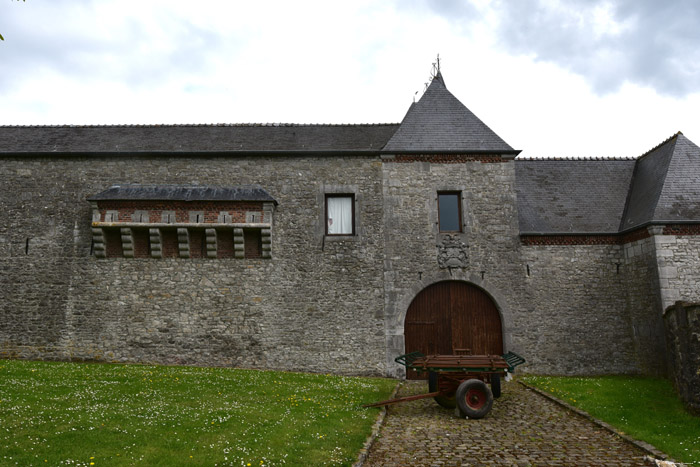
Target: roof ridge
(176, 125)
(667, 140)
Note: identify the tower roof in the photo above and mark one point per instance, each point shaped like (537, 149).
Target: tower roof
(664, 187)
(439, 122)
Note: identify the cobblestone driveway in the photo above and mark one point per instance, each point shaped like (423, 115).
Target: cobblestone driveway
(522, 429)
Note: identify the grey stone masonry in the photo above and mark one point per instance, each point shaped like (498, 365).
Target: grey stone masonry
(319, 303)
(679, 274)
(98, 241)
(314, 305)
(266, 240)
(683, 339)
(156, 243)
(127, 242)
(211, 243)
(413, 243)
(183, 242)
(238, 245)
(642, 302)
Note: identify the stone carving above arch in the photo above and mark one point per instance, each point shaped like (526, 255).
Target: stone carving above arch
(452, 252)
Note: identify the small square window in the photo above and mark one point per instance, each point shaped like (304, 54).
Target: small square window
(450, 211)
(340, 214)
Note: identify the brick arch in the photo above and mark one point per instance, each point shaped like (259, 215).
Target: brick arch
(452, 317)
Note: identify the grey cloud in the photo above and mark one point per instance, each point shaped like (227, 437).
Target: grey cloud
(78, 50)
(657, 43)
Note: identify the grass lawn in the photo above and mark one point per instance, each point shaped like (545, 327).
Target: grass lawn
(103, 414)
(647, 409)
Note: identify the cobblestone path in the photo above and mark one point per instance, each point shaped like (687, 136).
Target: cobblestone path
(522, 429)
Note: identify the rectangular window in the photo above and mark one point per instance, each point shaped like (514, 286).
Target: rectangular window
(340, 214)
(450, 211)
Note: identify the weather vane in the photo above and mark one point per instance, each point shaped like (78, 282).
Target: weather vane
(434, 71)
(436, 68)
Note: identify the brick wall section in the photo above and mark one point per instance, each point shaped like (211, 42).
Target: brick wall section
(113, 238)
(448, 158)
(682, 229)
(253, 243)
(197, 245)
(169, 242)
(582, 239)
(141, 243)
(570, 239)
(224, 243)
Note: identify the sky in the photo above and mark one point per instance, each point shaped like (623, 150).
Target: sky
(572, 78)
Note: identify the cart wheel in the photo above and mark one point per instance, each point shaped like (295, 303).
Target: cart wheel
(443, 401)
(474, 398)
(496, 385)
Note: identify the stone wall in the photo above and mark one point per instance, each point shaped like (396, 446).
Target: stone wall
(643, 303)
(679, 274)
(316, 305)
(490, 231)
(682, 322)
(578, 321)
(321, 303)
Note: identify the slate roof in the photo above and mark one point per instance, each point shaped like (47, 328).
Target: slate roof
(439, 122)
(571, 196)
(183, 193)
(610, 196)
(666, 185)
(194, 139)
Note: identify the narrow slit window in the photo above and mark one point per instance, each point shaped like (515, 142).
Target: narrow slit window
(450, 211)
(340, 215)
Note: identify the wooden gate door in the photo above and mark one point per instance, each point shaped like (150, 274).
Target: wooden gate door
(452, 317)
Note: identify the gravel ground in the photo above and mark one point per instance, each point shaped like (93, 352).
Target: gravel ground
(522, 429)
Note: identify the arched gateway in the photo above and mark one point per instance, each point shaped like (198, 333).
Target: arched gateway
(452, 317)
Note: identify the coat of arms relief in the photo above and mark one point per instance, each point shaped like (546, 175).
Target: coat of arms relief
(452, 253)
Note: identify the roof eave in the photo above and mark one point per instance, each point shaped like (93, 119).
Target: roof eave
(295, 152)
(506, 153)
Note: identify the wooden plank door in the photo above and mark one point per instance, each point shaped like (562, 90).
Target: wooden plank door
(450, 316)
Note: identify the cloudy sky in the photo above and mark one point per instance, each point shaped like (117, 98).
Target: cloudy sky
(553, 78)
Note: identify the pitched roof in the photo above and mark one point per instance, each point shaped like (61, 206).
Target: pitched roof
(558, 196)
(183, 193)
(610, 196)
(189, 139)
(439, 122)
(665, 186)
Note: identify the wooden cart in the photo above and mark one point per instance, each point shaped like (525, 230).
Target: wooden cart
(460, 380)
